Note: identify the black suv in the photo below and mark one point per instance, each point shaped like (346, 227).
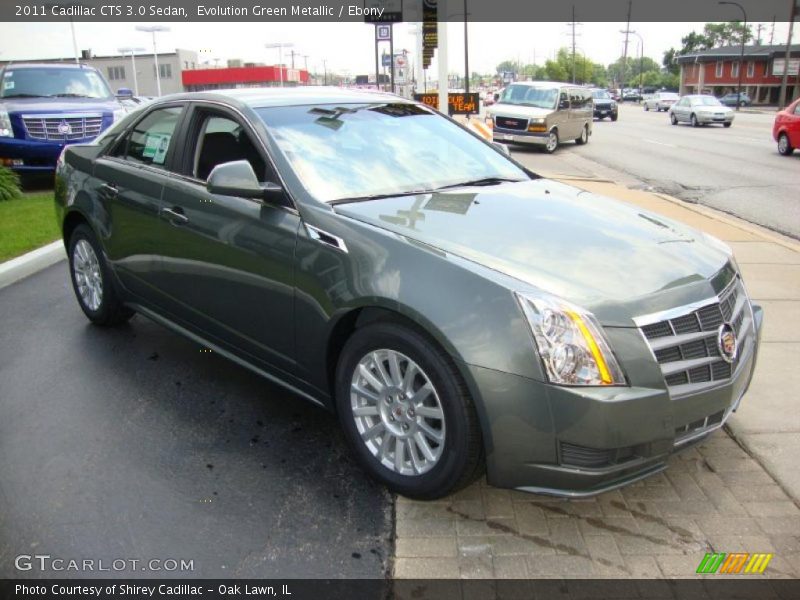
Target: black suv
(604, 105)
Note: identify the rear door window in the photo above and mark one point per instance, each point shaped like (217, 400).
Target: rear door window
(151, 140)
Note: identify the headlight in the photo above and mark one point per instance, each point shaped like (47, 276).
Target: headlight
(571, 343)
(613, 104)
(5, 124)
(536, 121)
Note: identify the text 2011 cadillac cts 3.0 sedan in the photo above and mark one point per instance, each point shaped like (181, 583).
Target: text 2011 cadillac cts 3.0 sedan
(455, 310)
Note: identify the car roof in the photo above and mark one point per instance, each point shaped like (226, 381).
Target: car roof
(545, 84)
(64, 65)
(289, 96)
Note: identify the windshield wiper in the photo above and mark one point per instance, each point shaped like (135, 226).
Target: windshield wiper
(379, 196)
(482, 181)
(24, 96)
(69, 96)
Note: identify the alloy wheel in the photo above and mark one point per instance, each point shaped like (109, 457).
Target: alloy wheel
(783, 144)
(552, 141)
(88, 277)
(397, 412)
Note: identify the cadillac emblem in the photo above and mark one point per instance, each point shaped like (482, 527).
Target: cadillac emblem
(726, 342)
(64, 128)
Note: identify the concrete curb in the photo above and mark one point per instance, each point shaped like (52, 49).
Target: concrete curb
(22, 266)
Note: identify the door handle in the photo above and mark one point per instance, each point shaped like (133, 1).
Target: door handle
(110, 190)
(174, 215)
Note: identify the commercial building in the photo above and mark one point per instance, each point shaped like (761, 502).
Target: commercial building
(716, 71)
(246, 76)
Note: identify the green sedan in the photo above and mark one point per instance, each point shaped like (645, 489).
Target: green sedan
(458, 313)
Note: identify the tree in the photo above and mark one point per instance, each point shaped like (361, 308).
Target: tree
(713, 35)
(507, 65)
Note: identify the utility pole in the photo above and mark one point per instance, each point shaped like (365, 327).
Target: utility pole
(772, 32)
(759, 27)
(625, 49)
(292, 53)
(785, 80)
(572, 24)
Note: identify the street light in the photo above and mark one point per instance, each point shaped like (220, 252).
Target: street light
(741, 56)
(132, 50)
(280, 46)
(154, 29)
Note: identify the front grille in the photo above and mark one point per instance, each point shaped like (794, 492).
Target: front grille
(685, 345)
(517, 124)
(63, 128)
(573, 455)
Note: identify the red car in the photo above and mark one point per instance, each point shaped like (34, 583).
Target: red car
(786, 129)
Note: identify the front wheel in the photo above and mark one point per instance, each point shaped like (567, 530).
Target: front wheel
(726, 125)
(614, 116)
(584, 138)
(694, 121)
(91, 280)
(673, 119)
(552, 142)
(784, 146)
(407, 413)
(646, 107)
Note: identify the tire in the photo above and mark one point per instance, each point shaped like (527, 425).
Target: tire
(694, 121)
(584, 137)
(742, 104)
(673, 119)
(92, 280)
(726, 125)
(646, 107)
(784, 145)
(552, 142)
(615, 116)
(450, 465)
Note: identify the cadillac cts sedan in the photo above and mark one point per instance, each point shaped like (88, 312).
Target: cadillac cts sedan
(456, 311)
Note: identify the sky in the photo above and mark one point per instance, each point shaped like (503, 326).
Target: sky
(348, 48)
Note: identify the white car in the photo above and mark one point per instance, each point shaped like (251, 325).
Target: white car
(660, 101)
(700, 110)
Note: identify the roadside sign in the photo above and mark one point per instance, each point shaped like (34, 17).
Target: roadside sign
(386, 60)
(459, 104)
(383, 33)
(392, 11)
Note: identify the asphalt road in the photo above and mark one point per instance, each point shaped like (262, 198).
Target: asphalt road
(131, 443)
(736, 170)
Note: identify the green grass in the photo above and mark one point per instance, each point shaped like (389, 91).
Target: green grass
(27, 223)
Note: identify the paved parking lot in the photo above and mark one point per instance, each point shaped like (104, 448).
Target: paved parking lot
(131, 443)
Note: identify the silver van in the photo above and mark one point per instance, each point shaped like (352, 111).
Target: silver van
(545, 113)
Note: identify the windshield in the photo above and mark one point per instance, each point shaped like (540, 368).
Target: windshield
(55, 82)
(601, 95)
(705, 101)
(362, 150)
(528, 95)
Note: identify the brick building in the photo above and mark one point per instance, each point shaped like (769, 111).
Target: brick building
(716, 71)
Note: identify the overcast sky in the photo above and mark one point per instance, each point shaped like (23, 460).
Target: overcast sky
(348, 47)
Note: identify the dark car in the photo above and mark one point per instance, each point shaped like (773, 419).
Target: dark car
(631, 95)
(456, 311)
(604, 105)
(44, 107)
(733, 99)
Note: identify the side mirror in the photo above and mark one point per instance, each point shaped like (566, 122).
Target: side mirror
(502, 147)
(237, 178)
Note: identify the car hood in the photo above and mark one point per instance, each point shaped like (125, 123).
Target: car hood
(610, 257)
(58, 105)
(515, 110)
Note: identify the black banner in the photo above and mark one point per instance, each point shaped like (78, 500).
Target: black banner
(357, 10)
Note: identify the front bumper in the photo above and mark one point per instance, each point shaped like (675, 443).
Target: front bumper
(519, 137)
(604, 111)
(702, 118)
(36, 156)
(578, 442)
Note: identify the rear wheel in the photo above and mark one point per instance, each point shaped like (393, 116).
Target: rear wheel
(784, 145)
(646, 107)
(552, 141)
(407, 412)
(584, 138)
(91, 280)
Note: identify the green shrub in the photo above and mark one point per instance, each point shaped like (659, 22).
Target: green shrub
(9, 185)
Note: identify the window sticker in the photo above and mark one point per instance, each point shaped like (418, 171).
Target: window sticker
(8, 85)
(156, 147)
(8, 73)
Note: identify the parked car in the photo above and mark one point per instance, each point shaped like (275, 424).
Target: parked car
(786, 128)
(604, 105)
(44, 107)
(733, 99)
(542, 113)
(631, 95)
(700, 110)
(455, 310)
(660, 101)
